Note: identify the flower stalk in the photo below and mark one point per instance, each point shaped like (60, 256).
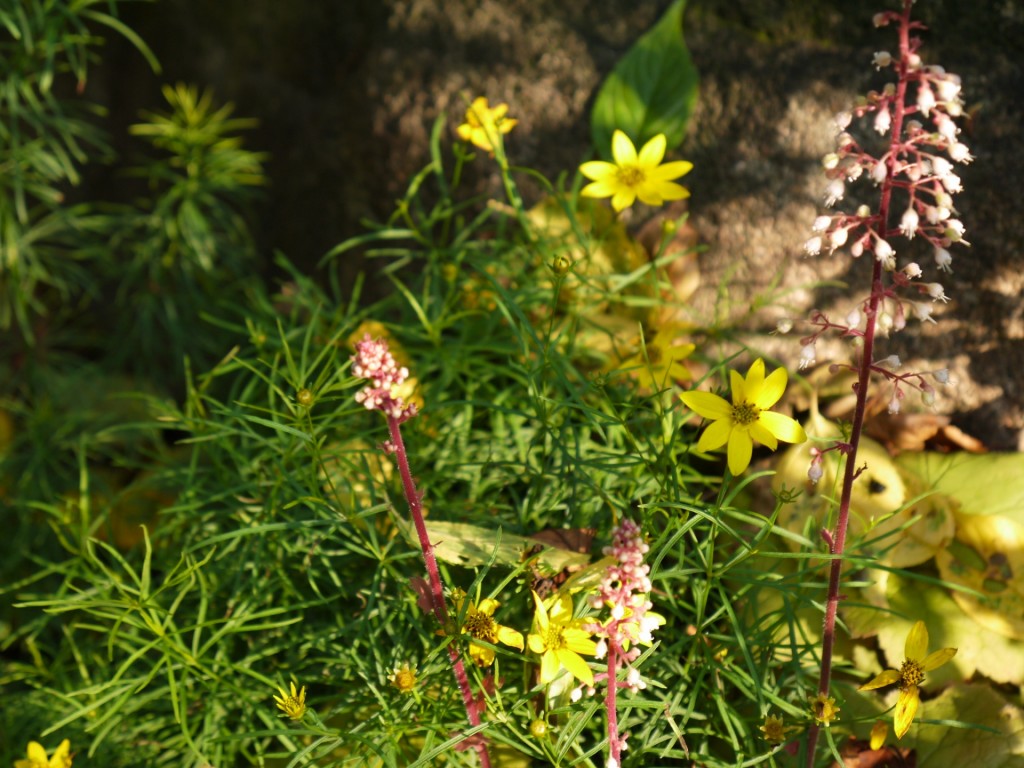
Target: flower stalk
(373, 361)
(912, 167)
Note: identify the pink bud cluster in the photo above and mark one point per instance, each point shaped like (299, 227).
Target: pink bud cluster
(624, 590)
(373, 361)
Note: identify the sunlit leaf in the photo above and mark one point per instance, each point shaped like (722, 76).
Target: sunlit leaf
(652, 90)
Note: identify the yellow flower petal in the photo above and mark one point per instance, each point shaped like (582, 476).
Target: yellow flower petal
(906, 708)
(917, 642)
(36, 753)
(670, 171)
(771, 388)
(622, 149)
(510, 637)
(549, 666)
(708, 405)
(783, 427)
(488, 606)
(653, 152)
(740, 450)
(738, 387)
(762, 434)
(715, 436)
(878, 733)
(755, 378)
(623, 198)
(599, 170)
(576, 666)
(937, 658)
(482, 655)
(888, 677)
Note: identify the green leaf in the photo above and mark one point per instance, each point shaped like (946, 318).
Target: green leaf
(652, 90)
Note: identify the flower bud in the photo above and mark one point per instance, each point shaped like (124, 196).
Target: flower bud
(883, 251)
(908, 224)
(942, 375)
(813, 246)
(892, 361)
(883, 120)
(834, 192)
(822, 223)
(882, 59)
(925, 99)
(912, 270)
(879, 172)
(959, 152)
(838, 238)
(807, 356)
(935, 291)
(943, 259)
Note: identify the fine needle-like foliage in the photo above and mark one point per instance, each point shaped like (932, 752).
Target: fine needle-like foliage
(484, 517)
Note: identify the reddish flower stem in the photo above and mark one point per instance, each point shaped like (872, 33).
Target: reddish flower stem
(614, 744)
(837, 539)
(412, 497)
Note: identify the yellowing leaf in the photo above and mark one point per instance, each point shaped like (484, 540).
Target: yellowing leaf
(472, 545)
(987, 558)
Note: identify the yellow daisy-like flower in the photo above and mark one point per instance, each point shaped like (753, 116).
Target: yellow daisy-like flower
(61, 757)
(478, 622)
(910, 675)
(559, 640)
(659, 363)
(824, 709)
(774, 730)
(747, 418)
(403, 677)
(632, 175)
(293, 704)
(484, 124)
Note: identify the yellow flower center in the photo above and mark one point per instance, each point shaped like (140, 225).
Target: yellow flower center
(911, 673)
(553, 639)
(744, 414)
(404, 680)
(631, 176)
(481, 626)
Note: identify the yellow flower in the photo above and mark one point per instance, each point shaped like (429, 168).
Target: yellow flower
(774, 731)
(478, 622)
(747, 418)
(403, 677)
(484, 125)
(658, 363)
(824, 709)
(632, 176)
(910, 675)
(294, 704)
(560, 639)
(61, 757)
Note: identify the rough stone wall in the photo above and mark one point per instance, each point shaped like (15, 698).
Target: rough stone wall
(347, 92)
